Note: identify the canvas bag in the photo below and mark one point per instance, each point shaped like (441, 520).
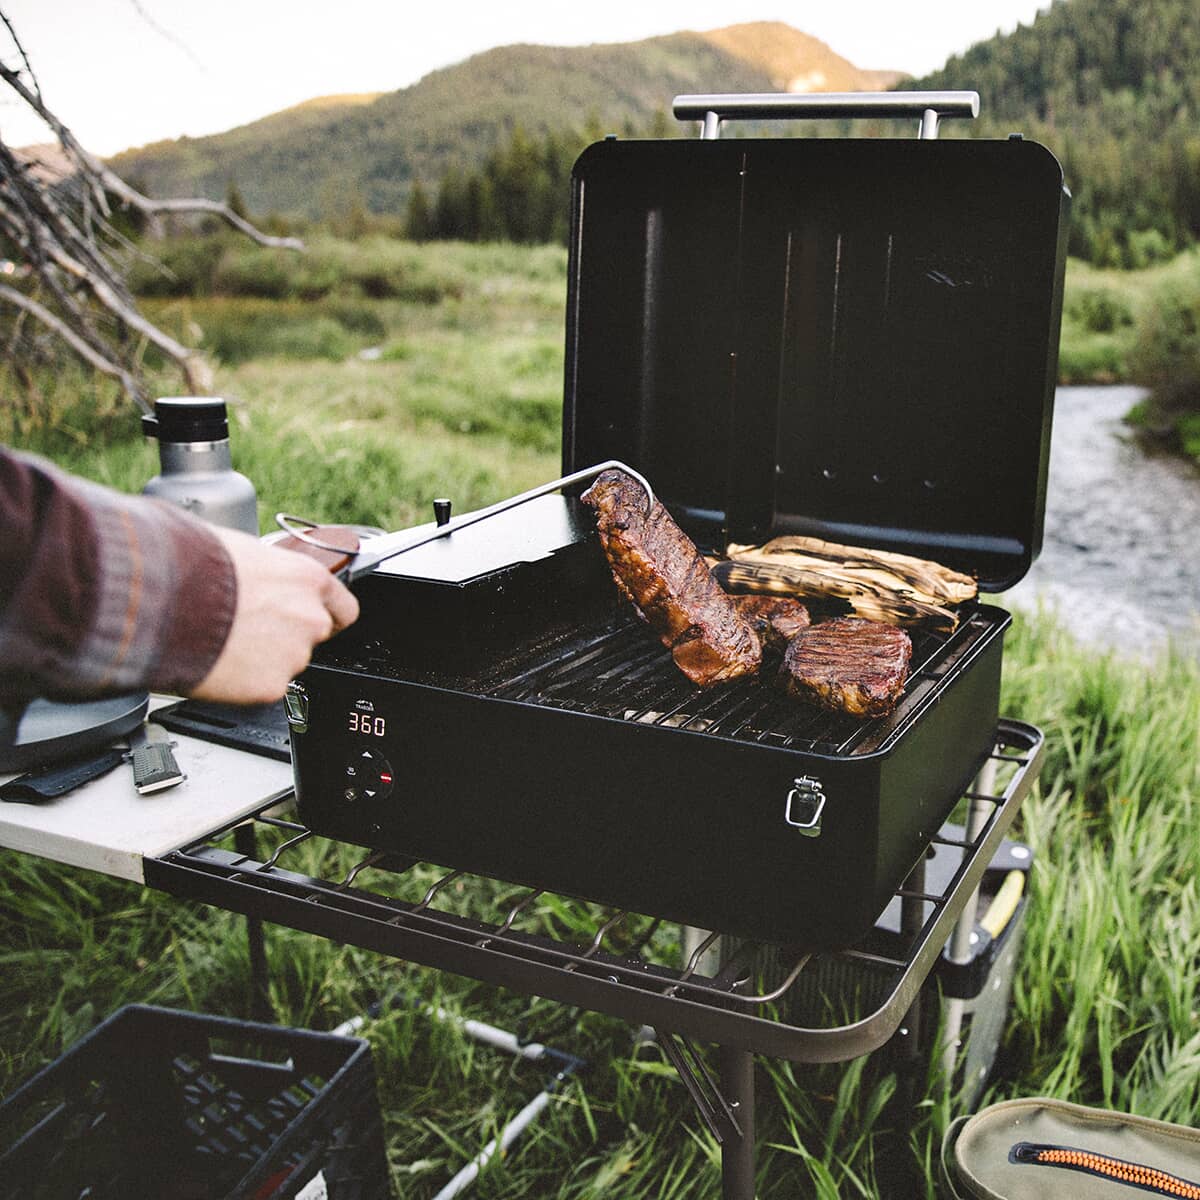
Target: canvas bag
(1041, 1149)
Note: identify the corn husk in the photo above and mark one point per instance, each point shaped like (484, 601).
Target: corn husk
(876, 584)
(923, 577)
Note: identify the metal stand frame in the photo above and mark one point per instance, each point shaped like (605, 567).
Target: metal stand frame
(742, 1008)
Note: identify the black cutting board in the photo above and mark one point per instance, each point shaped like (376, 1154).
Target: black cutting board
(257, 728)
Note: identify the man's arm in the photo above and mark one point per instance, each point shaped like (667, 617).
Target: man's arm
(286, 604)
(102, 593)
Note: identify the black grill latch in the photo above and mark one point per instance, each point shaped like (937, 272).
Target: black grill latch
(805, 804)
(295, 707)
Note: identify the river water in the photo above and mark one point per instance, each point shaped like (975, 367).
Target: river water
(1120, 563)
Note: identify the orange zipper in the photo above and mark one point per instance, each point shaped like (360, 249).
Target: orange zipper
(1119, 1170)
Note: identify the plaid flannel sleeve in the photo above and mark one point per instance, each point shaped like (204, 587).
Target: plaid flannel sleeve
(102, 592)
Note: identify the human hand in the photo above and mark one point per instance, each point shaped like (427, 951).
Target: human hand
(286, 604)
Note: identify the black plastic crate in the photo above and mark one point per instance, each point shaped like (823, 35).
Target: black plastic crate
(156, 1104)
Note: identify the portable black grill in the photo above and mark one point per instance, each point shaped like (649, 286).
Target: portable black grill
(850, 338)
(493, 686)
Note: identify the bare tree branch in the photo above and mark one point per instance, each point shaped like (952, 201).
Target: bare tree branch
(104, 180)
(70, 284)
(167, 35)
(12, 33)
(94, 359)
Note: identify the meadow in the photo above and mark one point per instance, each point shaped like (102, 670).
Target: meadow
(458, 393)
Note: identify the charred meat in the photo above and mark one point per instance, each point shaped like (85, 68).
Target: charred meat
(659, 570)
(776, 619)
(848, 665)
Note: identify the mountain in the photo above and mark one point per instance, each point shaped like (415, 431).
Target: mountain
(316, 158)
(797, 62)
(47, 161)
(1111, 87)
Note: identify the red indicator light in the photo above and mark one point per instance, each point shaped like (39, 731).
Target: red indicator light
(385, 778)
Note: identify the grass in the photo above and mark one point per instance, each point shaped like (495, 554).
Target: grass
(463, 400)
(1104, 1008)
(1104, 312)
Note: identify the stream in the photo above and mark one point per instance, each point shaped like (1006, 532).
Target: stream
(1120, 563)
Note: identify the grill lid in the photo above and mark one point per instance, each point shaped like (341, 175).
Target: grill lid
(855, 339)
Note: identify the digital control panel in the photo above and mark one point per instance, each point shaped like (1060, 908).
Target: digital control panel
(367, 774)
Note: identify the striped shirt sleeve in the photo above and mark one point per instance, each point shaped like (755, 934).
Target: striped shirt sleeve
(102, 593)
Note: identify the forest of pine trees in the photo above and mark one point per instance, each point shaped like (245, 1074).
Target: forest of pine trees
(1110, 86)
(520, 193)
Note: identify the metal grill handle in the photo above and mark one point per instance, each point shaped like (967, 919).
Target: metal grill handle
(785, 106)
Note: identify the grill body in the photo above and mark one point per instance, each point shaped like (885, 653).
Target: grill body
(529, 728)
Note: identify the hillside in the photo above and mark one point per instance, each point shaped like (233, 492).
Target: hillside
(1111, 87)
(314, 159)
(796, 62)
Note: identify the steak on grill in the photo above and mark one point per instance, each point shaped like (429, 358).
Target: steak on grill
(658, 569)
(848, 665)
(776, 619)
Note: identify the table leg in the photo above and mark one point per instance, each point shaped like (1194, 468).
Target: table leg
(260, 998)
(737, 1153)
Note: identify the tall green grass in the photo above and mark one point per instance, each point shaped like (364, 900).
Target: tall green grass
(1104, 1008)
(463, 401)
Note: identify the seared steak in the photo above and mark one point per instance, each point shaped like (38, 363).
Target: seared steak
(776, 619)
(848, 665)
(659, 570)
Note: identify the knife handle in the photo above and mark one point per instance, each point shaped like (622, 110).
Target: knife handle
(306, 542)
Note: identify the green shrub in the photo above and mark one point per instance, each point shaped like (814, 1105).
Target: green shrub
(394, 282)
(178, 267)
(316, 337)
(398, 352)
(1168, 335)
(356, 317)
(1146, 247)
(1189, 434)
(1090, 359)
(1099, 310)
(236, 332)
(259, 272)
(1169, 417)
(1166, 356)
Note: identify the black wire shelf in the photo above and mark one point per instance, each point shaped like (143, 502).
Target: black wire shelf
(763, 998)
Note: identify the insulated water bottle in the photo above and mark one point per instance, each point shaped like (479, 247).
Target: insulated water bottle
(197, 468)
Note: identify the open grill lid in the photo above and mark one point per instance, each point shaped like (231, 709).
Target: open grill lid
(855, 339)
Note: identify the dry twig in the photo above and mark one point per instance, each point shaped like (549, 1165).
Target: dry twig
(70, 282)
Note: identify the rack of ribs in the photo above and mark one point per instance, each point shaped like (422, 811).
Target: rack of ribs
(657, 568)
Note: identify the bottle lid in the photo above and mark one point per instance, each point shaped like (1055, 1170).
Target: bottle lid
(187, 419)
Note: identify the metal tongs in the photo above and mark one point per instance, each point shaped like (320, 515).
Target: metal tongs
(354, 560)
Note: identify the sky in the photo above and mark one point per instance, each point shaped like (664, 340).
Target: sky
(122, 73)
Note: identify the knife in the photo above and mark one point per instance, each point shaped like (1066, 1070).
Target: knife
(154, 766)
(338, 546)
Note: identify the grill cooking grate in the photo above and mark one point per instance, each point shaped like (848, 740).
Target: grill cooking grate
(622, 671)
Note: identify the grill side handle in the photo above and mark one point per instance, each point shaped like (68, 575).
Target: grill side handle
(930, 107)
